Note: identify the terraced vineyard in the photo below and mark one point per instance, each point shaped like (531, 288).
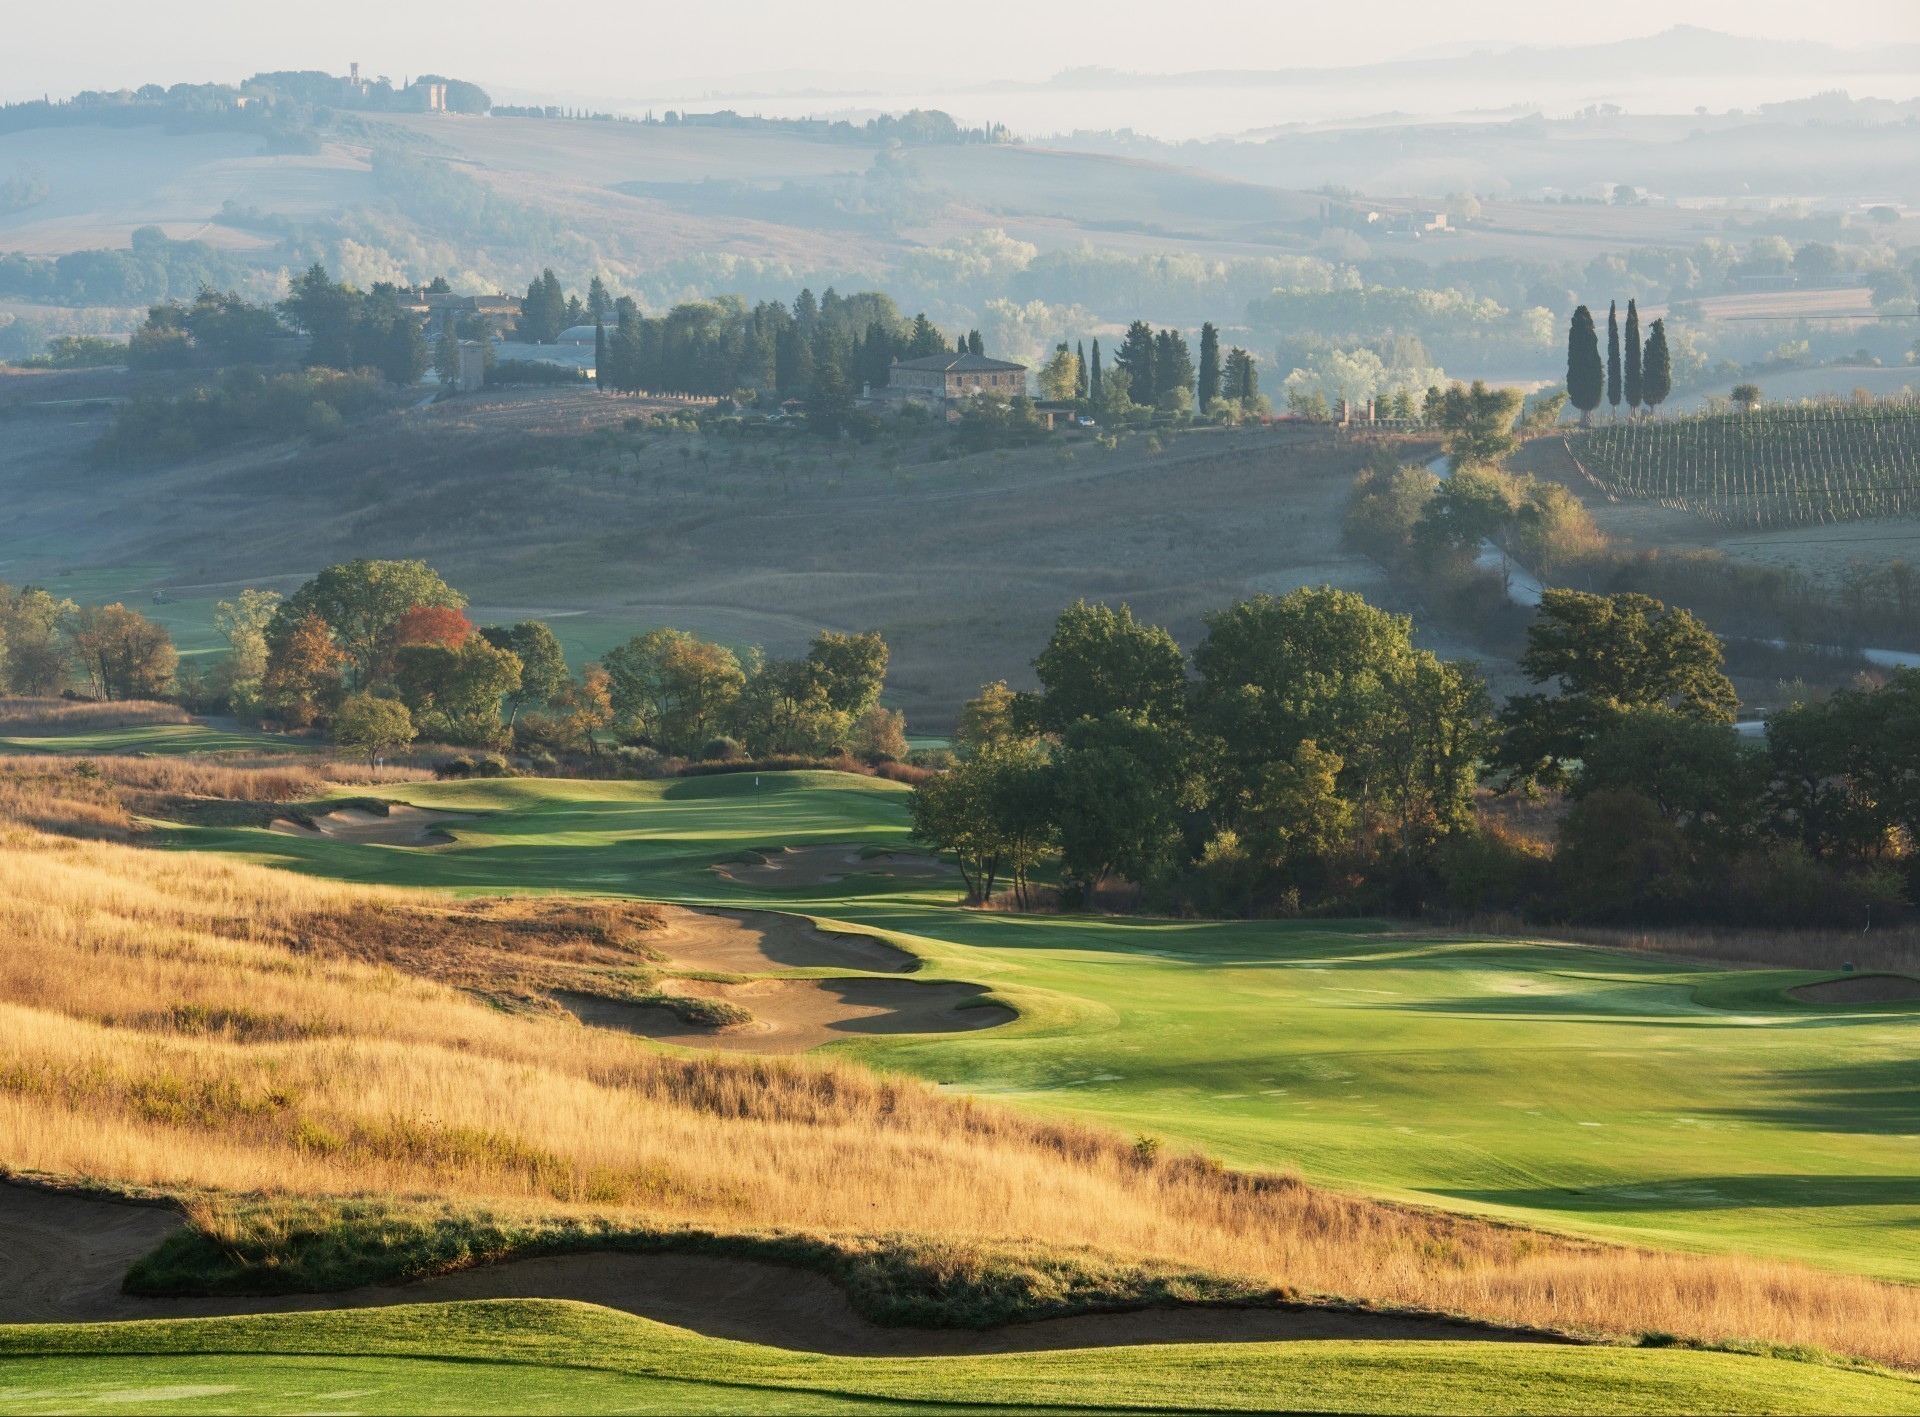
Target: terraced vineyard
(1788, 466)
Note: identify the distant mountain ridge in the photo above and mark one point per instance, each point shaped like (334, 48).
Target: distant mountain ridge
(1684, 51)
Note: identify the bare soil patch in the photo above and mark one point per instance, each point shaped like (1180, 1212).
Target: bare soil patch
(803, 866)
(755, 942)
(401, 825)
(793, 1015)
(1861, 989)
(63, 1255)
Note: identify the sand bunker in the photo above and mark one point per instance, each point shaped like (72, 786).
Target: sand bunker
(802, 866)
(62, 1257)
(1861, 989)
(756, 941)
(401, 826)
(792, 1015)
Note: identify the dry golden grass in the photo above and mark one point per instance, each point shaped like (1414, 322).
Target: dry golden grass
(56, 718)
(161, 1024)
(99, 795)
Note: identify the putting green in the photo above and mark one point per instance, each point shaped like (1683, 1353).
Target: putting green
(543, 1356)
(1598, 1093)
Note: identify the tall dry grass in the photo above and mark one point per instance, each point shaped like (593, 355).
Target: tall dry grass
(225, 777)
(162, 1025)
(56, 718)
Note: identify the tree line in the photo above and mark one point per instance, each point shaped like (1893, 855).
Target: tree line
(381, 652)
(1309, 758)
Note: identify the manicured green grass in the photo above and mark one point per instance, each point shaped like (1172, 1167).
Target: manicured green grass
(1613, 1095)
(166, 739)
(546, 1356)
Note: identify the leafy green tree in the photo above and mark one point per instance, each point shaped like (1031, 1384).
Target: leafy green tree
(989, 719)
(1474, 505)
(673, 688)
(783, 709)
(1632, 381)
(1656, 370)
(242, 622)
(1209, 379)
(120, 652)
(1324, 666)
(994, 811)
(850, 669)
(543, 663)
(1846, 772)
(373, 726)
(1617, 859)
(361, 602)
(1613, 355)
(1388, 501)
(1584, 374)
(1477, 422)
(975, 345)
(1123, 787)
(1101, 661)
(1297, 817)
(454, 694)
(1115, 399)
(1605, 655)
(1696, 772)
(33, 661)
(1060, 377)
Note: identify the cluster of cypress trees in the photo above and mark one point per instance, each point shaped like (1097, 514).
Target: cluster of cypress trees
(1639, 373)
(710, 348)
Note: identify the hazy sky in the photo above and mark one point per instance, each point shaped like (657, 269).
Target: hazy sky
(605, 49)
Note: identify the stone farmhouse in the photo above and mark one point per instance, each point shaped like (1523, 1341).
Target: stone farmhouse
(944, 382)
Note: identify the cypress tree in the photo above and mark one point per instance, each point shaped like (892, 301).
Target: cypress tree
(1656, 371)
(599, 355)
(1080, 353)
(1136, 357)
(975, 345)
(1093, 375)
(1586, 377)
(1613, 354)
(1209, 365)
(1635, 380)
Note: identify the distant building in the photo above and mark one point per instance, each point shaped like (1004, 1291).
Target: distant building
(944, 382)
(502, 312)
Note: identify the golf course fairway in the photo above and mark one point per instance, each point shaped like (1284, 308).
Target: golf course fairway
(1617, 1096)
(549, 1356)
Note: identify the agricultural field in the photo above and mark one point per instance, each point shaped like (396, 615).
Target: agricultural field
(1772, 467)
(545, 504)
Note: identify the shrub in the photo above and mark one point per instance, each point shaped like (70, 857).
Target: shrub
(722, 750)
